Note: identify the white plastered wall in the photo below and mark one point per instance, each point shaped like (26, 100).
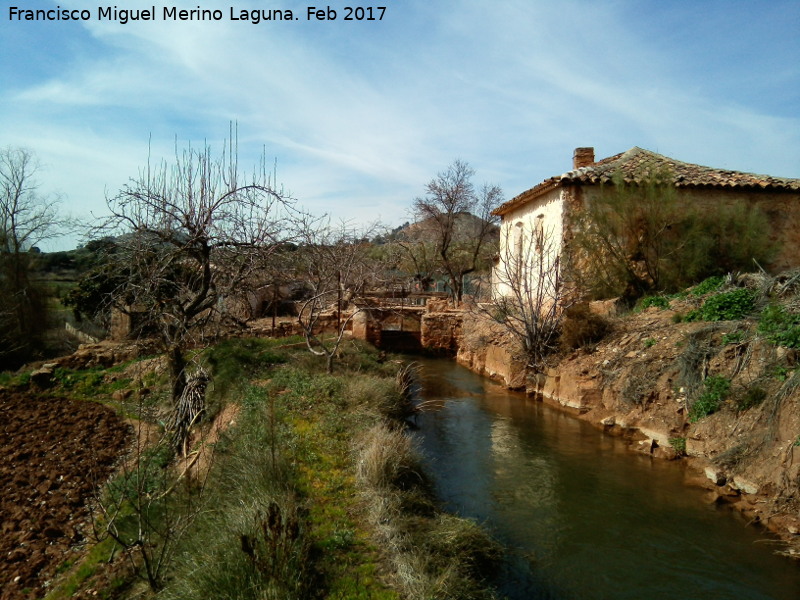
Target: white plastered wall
(518, 228)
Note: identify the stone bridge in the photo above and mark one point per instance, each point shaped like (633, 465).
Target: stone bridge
(410, 323)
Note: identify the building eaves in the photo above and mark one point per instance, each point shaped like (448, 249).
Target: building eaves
(637, 164)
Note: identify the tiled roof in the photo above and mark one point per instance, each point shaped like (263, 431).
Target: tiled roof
(637, 163)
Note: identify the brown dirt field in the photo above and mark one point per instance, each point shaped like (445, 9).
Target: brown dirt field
(53, 454)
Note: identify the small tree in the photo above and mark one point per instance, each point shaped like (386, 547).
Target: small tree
(456, 219)
(334, 262)
(534, 294)
(623, 237)
(636, 238)
(27, 218)
(193, 231)
(152, 503)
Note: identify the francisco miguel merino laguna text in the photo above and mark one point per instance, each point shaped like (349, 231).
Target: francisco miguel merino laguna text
(173, 13)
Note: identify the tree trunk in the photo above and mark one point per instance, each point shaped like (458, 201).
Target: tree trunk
(177, 369)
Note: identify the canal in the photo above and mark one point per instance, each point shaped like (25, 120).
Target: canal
(583, 517)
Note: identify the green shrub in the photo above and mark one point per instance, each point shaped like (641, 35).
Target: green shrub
(712, 284)
(636, 238)
(780, 326)
(693, 315)
(732, 338)
(752, 397)
(659, 301)
(710, 401)
(781, 372)
(679, 443)
(727, 306)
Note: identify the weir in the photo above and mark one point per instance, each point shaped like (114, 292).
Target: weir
(409, 323)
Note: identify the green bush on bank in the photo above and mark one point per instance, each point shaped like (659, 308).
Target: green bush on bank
(780, 326)
(659, 301)
(711, 284)
(725, 306)
(716, 389)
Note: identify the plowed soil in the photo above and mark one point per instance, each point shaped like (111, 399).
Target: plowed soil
(54, 453)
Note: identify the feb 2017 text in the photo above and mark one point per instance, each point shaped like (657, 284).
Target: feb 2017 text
(173, 13)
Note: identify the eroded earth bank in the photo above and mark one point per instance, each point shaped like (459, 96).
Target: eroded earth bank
(722, 394)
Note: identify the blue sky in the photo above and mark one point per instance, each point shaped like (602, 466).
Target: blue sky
(360, 115)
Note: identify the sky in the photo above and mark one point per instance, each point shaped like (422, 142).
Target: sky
(359, 115)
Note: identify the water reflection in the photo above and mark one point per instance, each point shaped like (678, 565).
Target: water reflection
(584, 517)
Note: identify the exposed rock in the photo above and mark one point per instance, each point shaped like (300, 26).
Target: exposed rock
(744, 485)
(606, 308)
(665, 453)
(43, 376)
(646, 446)
(122, 395)
(715, 475)
(441, 331)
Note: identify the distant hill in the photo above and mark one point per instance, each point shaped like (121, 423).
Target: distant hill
(465, 224)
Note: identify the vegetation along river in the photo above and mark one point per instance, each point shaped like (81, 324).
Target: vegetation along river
(583, 517)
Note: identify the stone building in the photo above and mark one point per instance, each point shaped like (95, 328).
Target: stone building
(543, 211)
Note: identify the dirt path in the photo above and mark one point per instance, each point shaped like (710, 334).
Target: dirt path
(53, 453)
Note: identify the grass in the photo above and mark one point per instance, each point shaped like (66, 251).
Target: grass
(447, 556)
(76, 574)
(293, 507)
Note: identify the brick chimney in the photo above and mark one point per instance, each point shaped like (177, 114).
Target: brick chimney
(582, 157)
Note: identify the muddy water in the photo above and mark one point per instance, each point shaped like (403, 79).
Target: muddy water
(585, 518)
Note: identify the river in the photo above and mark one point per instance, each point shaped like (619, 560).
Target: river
(583, 517)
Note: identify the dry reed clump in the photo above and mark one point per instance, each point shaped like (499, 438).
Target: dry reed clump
(581, 327)
(387, 459)
(432, 555)
(369, 390)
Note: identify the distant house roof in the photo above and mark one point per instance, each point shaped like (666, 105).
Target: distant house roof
(637, 163)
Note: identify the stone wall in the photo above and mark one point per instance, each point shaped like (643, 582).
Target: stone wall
(366, 328)
(441, 331)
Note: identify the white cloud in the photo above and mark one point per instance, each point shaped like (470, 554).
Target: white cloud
(360, 116)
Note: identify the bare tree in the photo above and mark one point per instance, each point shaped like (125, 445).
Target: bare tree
(530, 294)
(334, 263)
(151, 504)
(457, 219)
(27, 218)
(194, 229)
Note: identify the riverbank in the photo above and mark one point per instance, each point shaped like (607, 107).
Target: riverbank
(296, 484)
(652, 380)
(581, 515)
